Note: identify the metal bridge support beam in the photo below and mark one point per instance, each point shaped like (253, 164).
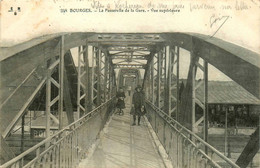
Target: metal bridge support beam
(178, 85)
(250, 150)
(111, 77)
(152, 79)
(155, 67)
(193, 83)
(49, 81)
(94, 77)
(114, 83)
(168, 82)
(67, 97)
(98, 63)
(103, 76)
(148, 82)
(81, 85)
(106, 78)
(87, 80)
(48, 106)
(147, 76)
(49, 101)
(202, 104)
(159, 66)
(22, 135)
(159, 70)
(189, 99)
(147, 79)
(163, 79)
(187, 106)
(61, 80)
(206, 113)
(172, 91)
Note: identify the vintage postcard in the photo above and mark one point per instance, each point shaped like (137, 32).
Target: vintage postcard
(129, 83)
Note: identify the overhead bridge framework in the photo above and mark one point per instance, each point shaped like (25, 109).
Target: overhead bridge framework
(42, 69)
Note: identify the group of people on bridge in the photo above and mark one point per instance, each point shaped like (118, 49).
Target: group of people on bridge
(138, 104)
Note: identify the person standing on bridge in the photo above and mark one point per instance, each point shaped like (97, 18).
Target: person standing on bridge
(120, 100)
(138, 104)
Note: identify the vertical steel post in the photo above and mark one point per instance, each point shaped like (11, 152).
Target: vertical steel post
(48, 106)
(165, 79)
(114, 82)
(30, 119)
(159, 70)
(22, 135)
(90, 81)
(226, 116)
(206, 103)
(21, 163)
(193, 82)
(110, 78)
(78, 84)
(152, 77)
(150, 82)
(178, 85)
(61, 81)
(98, 63)
(87, 89)
(147, 81)
(169, 80)
(93, 75)
(105, 78)
(172, 97)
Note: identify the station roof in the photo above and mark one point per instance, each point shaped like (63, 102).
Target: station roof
(227, 92)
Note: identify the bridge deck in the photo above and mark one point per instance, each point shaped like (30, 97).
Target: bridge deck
(123, 145)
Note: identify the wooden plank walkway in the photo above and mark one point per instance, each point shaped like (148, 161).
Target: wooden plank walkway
(123, 146)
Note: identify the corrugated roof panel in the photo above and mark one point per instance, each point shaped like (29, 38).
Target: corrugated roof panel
(226, 92)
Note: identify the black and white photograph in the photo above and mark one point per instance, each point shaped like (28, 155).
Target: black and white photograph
(129, 84)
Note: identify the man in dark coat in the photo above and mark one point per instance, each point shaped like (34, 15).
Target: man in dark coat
(138, 104)
(120, 99)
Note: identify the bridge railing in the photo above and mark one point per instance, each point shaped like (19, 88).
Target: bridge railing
(68, 146)
(184, 148)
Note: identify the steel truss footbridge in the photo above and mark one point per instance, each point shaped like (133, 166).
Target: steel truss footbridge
(77, 94)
